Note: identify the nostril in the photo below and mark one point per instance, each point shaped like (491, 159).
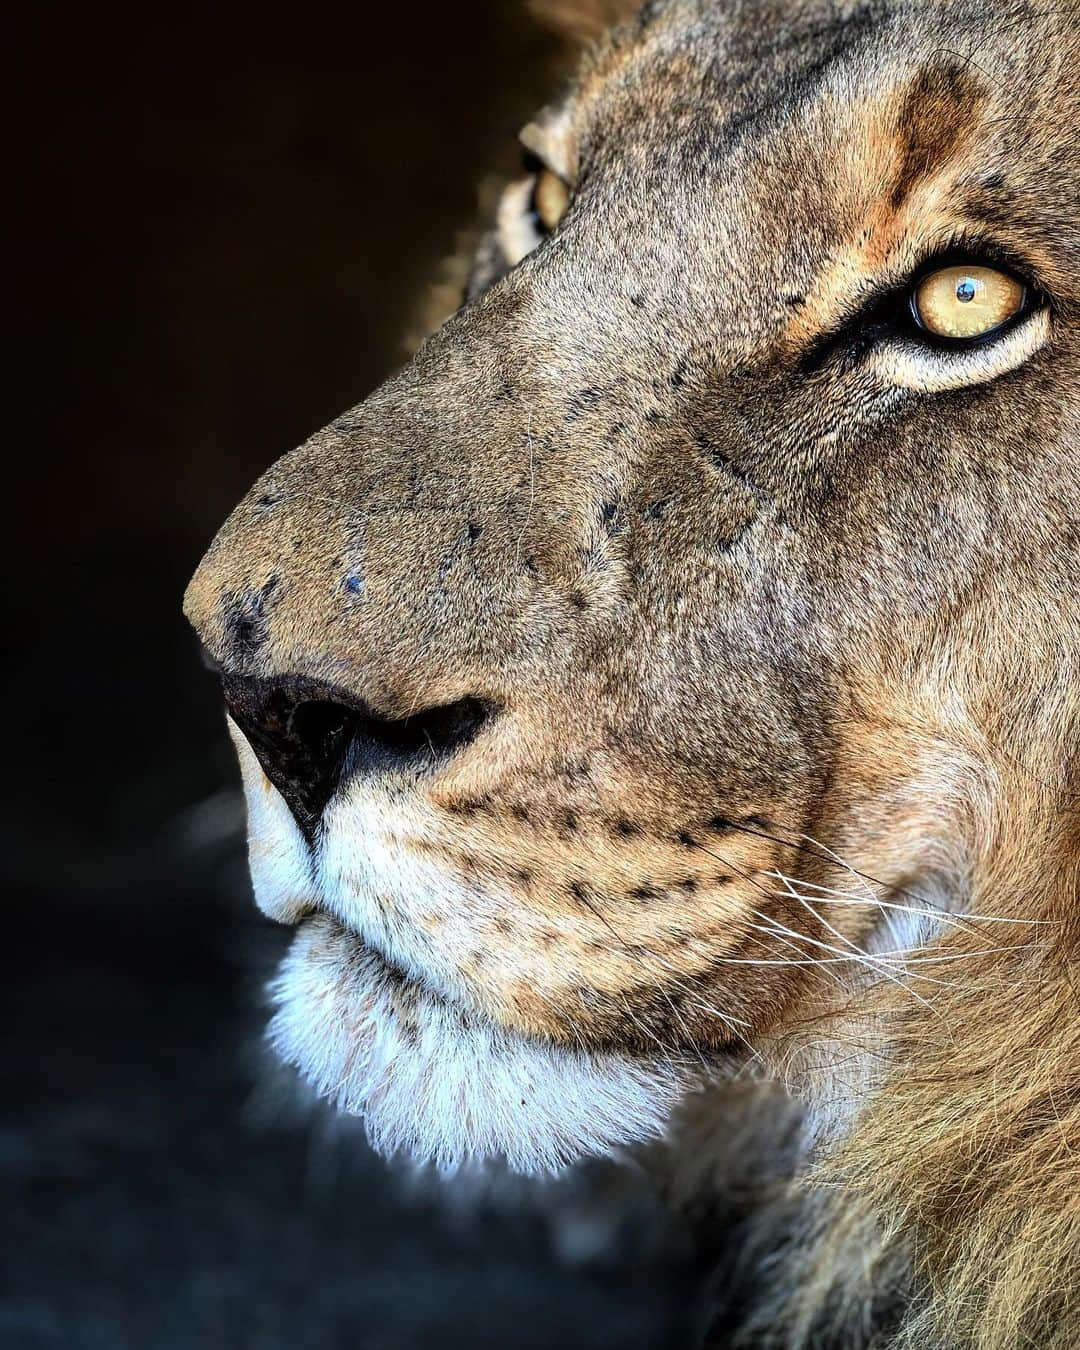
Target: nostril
(300, 743)
(308, 737)
(433, 734)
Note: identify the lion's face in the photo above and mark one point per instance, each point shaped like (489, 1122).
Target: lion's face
(713, 548)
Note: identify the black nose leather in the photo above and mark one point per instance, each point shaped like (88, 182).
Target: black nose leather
(308, 737)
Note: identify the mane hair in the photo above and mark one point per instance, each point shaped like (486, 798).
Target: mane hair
(971, 1146)
(948, 1216)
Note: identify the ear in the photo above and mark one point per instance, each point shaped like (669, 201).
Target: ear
(583, 20)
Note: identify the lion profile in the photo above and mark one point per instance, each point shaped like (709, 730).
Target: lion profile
(659, 703)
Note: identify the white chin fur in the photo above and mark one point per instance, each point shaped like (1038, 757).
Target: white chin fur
(447, 1087)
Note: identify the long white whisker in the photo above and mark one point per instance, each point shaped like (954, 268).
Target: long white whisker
(898, 958)
(846, 897)
(866, 958)
(842, 862)
(869, 962)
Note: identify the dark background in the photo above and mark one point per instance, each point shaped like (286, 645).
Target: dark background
(224, 217)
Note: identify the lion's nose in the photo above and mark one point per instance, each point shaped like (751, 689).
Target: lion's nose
(309, 737)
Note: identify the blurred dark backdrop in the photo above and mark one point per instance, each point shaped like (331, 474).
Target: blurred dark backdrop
(224, 217)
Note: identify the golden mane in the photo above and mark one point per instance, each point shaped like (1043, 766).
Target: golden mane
(958, 1183)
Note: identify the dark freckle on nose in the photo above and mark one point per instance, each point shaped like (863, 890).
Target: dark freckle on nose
(520, 812)
(688, 884)
(570, 822)
(638, 301)
(268, 500)
(722, 879)
(607, 512)
(721, 824)
(625, 827)
(354, 581)
(474, 531)
(656, 509)
(578, 600)
(578, 891)
(245, 616)
(758, 822)
(523, 876)
(645, 892)
(687, 839)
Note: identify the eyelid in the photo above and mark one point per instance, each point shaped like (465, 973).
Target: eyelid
(531, 139)
(908, 363)
(516, 235)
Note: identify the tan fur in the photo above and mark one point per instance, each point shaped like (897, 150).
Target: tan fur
(777, 608)
(582, 21)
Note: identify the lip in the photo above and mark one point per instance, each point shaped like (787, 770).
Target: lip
(341, 934)
(320, 917)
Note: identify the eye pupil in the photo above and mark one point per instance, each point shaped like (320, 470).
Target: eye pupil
(966, 290)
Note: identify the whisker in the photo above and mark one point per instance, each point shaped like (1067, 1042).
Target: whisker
(660, 989)
(961, 922)
(869, 962)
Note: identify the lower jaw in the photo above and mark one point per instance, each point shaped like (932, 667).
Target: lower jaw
(448, 1087)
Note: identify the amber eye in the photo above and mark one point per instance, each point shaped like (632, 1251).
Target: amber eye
(550, 199)
(966, 302)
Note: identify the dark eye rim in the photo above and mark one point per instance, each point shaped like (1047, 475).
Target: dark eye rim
(1029, 297)
(892, 313)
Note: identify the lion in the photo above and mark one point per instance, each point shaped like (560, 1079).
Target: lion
(658, 704)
